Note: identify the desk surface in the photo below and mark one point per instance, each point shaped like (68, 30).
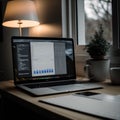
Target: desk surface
(7, 88)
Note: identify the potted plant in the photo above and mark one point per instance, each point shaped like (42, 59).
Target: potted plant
(98, 46)
(97, 67)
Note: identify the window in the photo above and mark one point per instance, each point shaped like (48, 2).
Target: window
(84, 16)
(90, 14)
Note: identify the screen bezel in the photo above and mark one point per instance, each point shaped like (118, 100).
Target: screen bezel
(43, 78)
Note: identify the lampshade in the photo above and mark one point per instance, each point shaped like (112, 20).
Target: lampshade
(20, 13)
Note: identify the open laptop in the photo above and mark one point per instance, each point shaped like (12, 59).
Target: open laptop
(44, 66)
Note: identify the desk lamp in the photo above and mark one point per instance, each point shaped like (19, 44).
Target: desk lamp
(20, 14)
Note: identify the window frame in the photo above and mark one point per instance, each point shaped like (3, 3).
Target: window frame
(116, 19)
(71, 24)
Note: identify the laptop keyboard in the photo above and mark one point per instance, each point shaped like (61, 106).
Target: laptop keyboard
(56, 84)
(34, 86)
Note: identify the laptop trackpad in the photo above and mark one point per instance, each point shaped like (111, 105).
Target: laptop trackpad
(71, 87)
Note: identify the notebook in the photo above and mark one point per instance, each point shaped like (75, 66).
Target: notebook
(44, 66)
(101, 105)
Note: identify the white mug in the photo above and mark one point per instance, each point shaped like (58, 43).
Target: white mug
(115, 75)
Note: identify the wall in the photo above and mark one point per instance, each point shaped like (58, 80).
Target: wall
(49, 12)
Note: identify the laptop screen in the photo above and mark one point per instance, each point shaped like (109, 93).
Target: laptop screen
(43, 59)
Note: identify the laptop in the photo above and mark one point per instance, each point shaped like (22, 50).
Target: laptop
(45, 66)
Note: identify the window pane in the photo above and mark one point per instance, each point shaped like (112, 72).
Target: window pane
(98, 12)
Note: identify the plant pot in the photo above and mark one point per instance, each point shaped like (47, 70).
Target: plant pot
(97, 70)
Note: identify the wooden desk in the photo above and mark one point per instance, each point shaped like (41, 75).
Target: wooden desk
(15, 102)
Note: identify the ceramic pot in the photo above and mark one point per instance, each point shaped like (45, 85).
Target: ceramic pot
(115, 75)
(97, 70)
(115, 66)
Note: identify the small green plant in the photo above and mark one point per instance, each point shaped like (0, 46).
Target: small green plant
(98, 46)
